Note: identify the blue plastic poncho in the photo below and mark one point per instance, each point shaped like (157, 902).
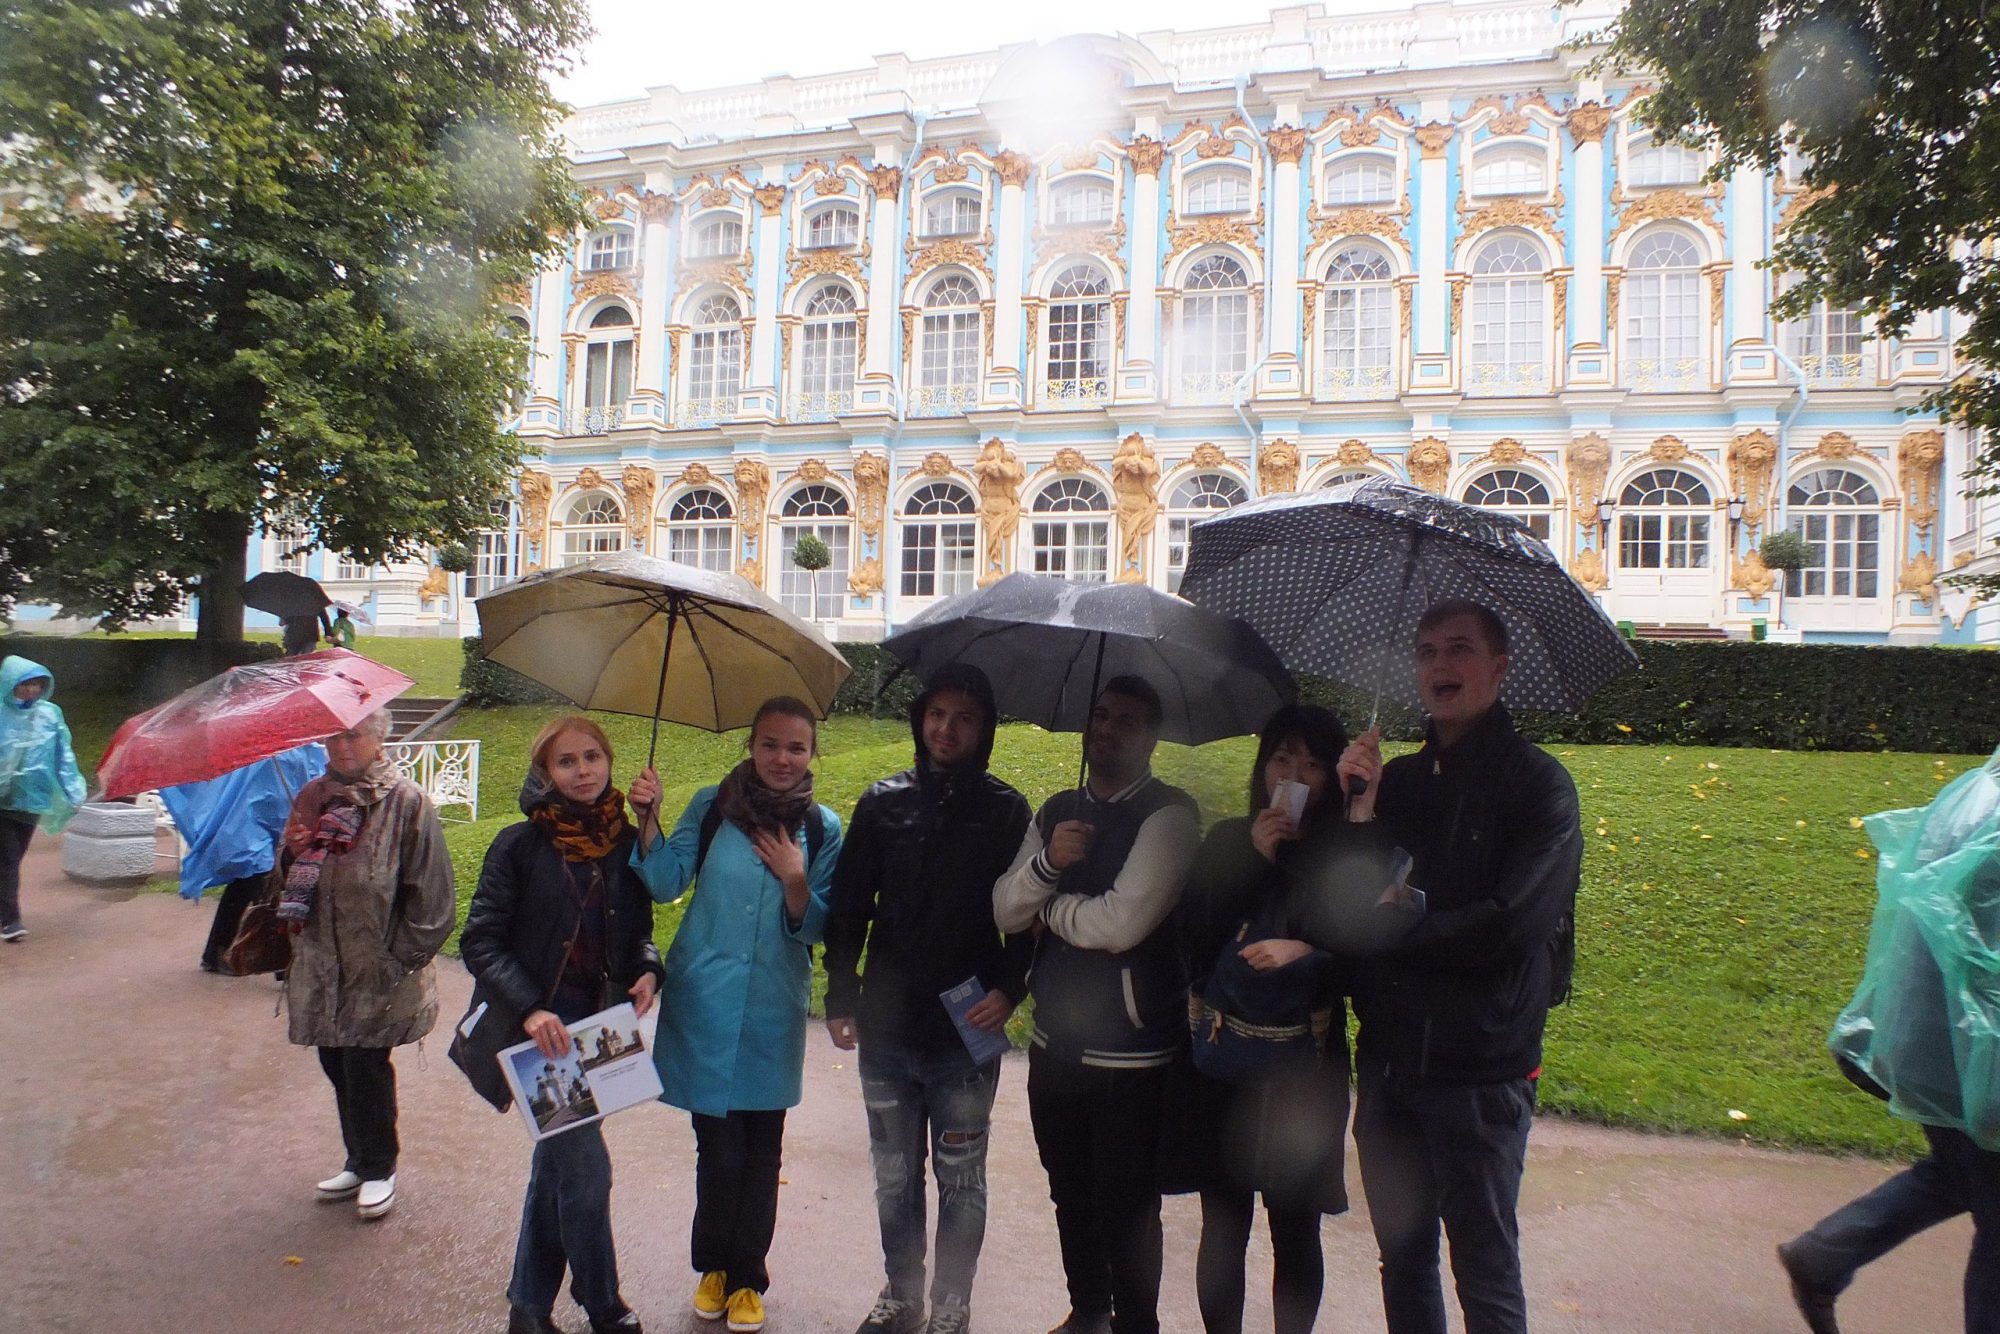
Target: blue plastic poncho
(232, 823)
(38, 773)
(1925, 1021)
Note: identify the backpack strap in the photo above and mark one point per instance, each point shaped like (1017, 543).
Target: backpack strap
(711, 823)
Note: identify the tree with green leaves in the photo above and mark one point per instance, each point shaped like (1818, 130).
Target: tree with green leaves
(251, 258)
(1891, 107)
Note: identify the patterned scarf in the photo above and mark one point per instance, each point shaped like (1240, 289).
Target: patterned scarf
(749, 805)
(339, 822)
(583, 832)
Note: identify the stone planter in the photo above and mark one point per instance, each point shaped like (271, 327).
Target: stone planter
(109, 843)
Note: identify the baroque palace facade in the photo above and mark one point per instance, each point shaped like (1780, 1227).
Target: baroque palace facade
(1042, 308)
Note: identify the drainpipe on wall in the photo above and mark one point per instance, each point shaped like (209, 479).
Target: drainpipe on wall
(1785, 434)
(890, 576)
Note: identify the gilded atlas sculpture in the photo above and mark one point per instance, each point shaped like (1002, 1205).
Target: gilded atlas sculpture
(871, 490)
(1135, 481)
(999, 475)
(753, 484)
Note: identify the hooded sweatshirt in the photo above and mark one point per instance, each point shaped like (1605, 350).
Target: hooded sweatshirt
(39, 780)
(914, 885)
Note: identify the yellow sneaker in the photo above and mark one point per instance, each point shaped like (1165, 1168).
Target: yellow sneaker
(710, 1300)
(746, 1311)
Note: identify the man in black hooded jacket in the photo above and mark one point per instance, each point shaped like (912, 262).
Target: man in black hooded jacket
(915, 886)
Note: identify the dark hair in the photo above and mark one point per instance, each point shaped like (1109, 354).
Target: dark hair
(1489, 620)
(1312, 727)
(789, 706)
(1139, 688)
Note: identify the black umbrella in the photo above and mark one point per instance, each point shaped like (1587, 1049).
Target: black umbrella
(1048, 644)
(1336, 581)
(283, 593)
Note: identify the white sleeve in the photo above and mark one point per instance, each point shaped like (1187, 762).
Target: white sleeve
(1019, 894)
(1147, 887)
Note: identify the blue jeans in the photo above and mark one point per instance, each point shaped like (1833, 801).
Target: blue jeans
(566, 1220)
(1433, 1152)
(1957, 1177)
(938, 1103)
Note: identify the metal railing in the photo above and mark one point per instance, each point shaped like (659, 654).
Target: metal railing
(1206, 386)
(1087, 389)
(593, 421)
(1841, 372)
(822, 407)
(1351, 383)
(1666, 375)
(1500, 379)
(447, 771)
(943, 400)
(705, 412)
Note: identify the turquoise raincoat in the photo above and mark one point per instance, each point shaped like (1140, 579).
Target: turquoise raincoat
(38, 773)
(732, 1033)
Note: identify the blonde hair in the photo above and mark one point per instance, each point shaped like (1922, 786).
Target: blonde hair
(545, 740)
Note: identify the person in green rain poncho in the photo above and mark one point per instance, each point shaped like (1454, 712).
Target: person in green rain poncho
(40, 784)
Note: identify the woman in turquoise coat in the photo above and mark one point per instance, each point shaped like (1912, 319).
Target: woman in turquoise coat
(732, 1036)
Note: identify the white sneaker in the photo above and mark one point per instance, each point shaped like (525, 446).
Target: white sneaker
(13, 933)
(376, 1197)
(340, 1186)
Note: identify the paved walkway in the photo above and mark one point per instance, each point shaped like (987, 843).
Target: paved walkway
(159, 1140)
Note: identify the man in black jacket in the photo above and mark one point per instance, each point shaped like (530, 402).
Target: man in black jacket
(1451, 1020)
(915, 886)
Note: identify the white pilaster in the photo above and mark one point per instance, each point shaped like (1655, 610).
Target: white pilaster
(1281, 275)
(1747, 250)
(1589, 359)
(1004, 378)
(649, 399)
(543, 412)
(759, 397)
(1137, 378)
(1431, 366)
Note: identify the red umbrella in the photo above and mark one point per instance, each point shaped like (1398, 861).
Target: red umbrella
(244, 715)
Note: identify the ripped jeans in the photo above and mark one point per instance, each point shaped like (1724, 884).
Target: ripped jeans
(940, 1103)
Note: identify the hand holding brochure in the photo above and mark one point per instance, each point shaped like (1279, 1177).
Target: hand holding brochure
(984, 1044)
(607, 1070)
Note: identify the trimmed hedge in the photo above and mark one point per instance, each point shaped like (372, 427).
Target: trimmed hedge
(487, 685)
(144, 672)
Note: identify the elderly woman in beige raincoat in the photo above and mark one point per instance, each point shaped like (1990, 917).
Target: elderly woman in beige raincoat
(369, 889)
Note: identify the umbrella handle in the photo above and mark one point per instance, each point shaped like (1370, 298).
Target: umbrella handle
(660, 693)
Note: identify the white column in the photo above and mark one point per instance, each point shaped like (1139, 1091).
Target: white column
(885, 272)
(1433, 300)
(546, 372)
(1747, 250)
(1586, 303)
(1004, 377)
(1142, 318)
(1281, 274)
(649, 400)
(760, 376)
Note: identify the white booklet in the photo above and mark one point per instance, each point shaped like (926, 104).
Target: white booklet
(607, 1070)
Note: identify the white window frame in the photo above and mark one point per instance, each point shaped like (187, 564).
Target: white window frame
(1508, 171)
(829, 354)
(593, 526)
(1665, 533)
(1651, 165)
(707, 233)
(1068, 194)
(962, 219)
(1077, 350)
(1212, 333)
(1070, 531)
(1662, 311)
(825, 231)
(1507, 318)
(1831, 346)
(609, 247)
(701, 530)
(823, 511)
(950, 347)
(1839, 513)
(715, 360)
(1518, 493)
(609, 363)
(1218, 189)
(496, 550)
(1358, 180)
(1193, 499)
(940, 541)
(1357, 327)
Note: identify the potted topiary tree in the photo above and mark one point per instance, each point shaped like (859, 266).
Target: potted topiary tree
(1784, 552)
(810, 554)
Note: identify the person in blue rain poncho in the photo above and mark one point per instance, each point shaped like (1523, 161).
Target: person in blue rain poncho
(40, 784)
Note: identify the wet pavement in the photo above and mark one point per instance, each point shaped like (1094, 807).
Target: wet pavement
(159, 1141)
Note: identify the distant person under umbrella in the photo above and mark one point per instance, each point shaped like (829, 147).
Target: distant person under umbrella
(369, 888)
(341, 633)
(302, 632)
(39, 781)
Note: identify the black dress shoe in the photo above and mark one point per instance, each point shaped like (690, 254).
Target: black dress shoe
(626, 1322)
(1814, 1305)
(523, 1321)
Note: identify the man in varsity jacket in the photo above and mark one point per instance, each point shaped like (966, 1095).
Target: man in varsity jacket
(1096, 878)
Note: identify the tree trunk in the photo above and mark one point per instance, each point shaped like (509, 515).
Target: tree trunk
(219, 616)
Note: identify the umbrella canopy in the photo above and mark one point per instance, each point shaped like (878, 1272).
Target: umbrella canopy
(1336, 581)
(656, 638)
(283, 593)
(1047, 644)
(357, 613)
(244, 715)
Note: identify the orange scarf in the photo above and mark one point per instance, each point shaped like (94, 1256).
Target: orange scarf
(583, 833)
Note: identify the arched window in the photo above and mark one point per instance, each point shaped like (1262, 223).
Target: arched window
(715, 362)
(1509, 326)
(1078, 202)
(1829, 345)
(1510, 171)
(287, 546)
(1346, 475)
(948, 348)
(821, 511)
(1358, 329)
(701, 530)
(716, 236)
(496, 556)
(1194, 499)
(1363, 178)
(1515, 492)
(595, 526)
(1218, 189)
(1839, 513)
(950, 213)
(1214, 333)
(1648, 162)
(833, 226)
(609, 248)
(1078, 366)
(1071, 532)
(830, 355)
(940, 537)
(1663, 313)
(607, 372)
(1663, 521)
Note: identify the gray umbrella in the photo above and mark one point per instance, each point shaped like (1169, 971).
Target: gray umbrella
(1047, 644)
(283, 593)
(1336, 581)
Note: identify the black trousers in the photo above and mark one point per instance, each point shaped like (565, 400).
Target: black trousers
(364, 1089)
(1298, 1268)
(736, 1164)
(1098, 1132)
(14, 836)
(236, 896)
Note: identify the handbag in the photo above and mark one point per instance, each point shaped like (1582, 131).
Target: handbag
(489, 1028)
(262, 943)
(1248, 1027)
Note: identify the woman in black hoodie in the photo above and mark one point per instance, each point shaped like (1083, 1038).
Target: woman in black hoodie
(560, 928)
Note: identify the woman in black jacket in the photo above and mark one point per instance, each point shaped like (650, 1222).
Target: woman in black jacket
(560, 928)
(1279, 1136)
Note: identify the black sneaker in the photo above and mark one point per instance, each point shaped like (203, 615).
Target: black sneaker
(625, 1322)
(13, 933)
(1084, 1324)
(892, 1315)
(520, 1320)
(949, 1317)
(1814, 1305)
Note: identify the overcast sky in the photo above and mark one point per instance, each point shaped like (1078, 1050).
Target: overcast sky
(644, 43)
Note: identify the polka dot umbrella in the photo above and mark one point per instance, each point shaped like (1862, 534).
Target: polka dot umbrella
(1336, 581)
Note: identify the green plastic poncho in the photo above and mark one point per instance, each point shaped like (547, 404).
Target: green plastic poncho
(38, 773)
(1925, 1021)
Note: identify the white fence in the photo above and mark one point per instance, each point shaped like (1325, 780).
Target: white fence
(447, 771)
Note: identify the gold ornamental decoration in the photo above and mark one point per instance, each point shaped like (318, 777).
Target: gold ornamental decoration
(537, 489)
(1507, 450)
(1667, 449)
(1753, 576)
(1358, 221)
(1206, 455)
(1837, 445)
(1403, 311)
(812, 470)
(1588, 121)
(999, 475)
(1433, 138)
(1718, 278)
(1430, 464)
(1589, 462)
(640, 484)
(437, 584)
(1278, 467)
(752, 570)
(1081, 159)
(607, 209)
(1288, 143)
(1751, 456)
(1921, 461)
(1147, 153)
(1659, 206)
(950, 251)
(770, 198)
(950, 173)
(1213, 230)
(1215, 145)
(871, 492)
(656, 207)
(696, 474)
(1308, 304)
(1588, 567)
(1919, 576)
(1104, 242)
(1457, 301)
(1069, 460)
(590, 479)
(1559, 300)
(602, 284)
(826, 262)
(1012, 168)
(886, 181)
(753, 487)
(866, 581)
(1510, 213)
(937, 465)
(1357, 454)
(1614, 289)
(1135, 483)
(1361, 134)
(724, 272)
(717, 197)
(515, 293)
